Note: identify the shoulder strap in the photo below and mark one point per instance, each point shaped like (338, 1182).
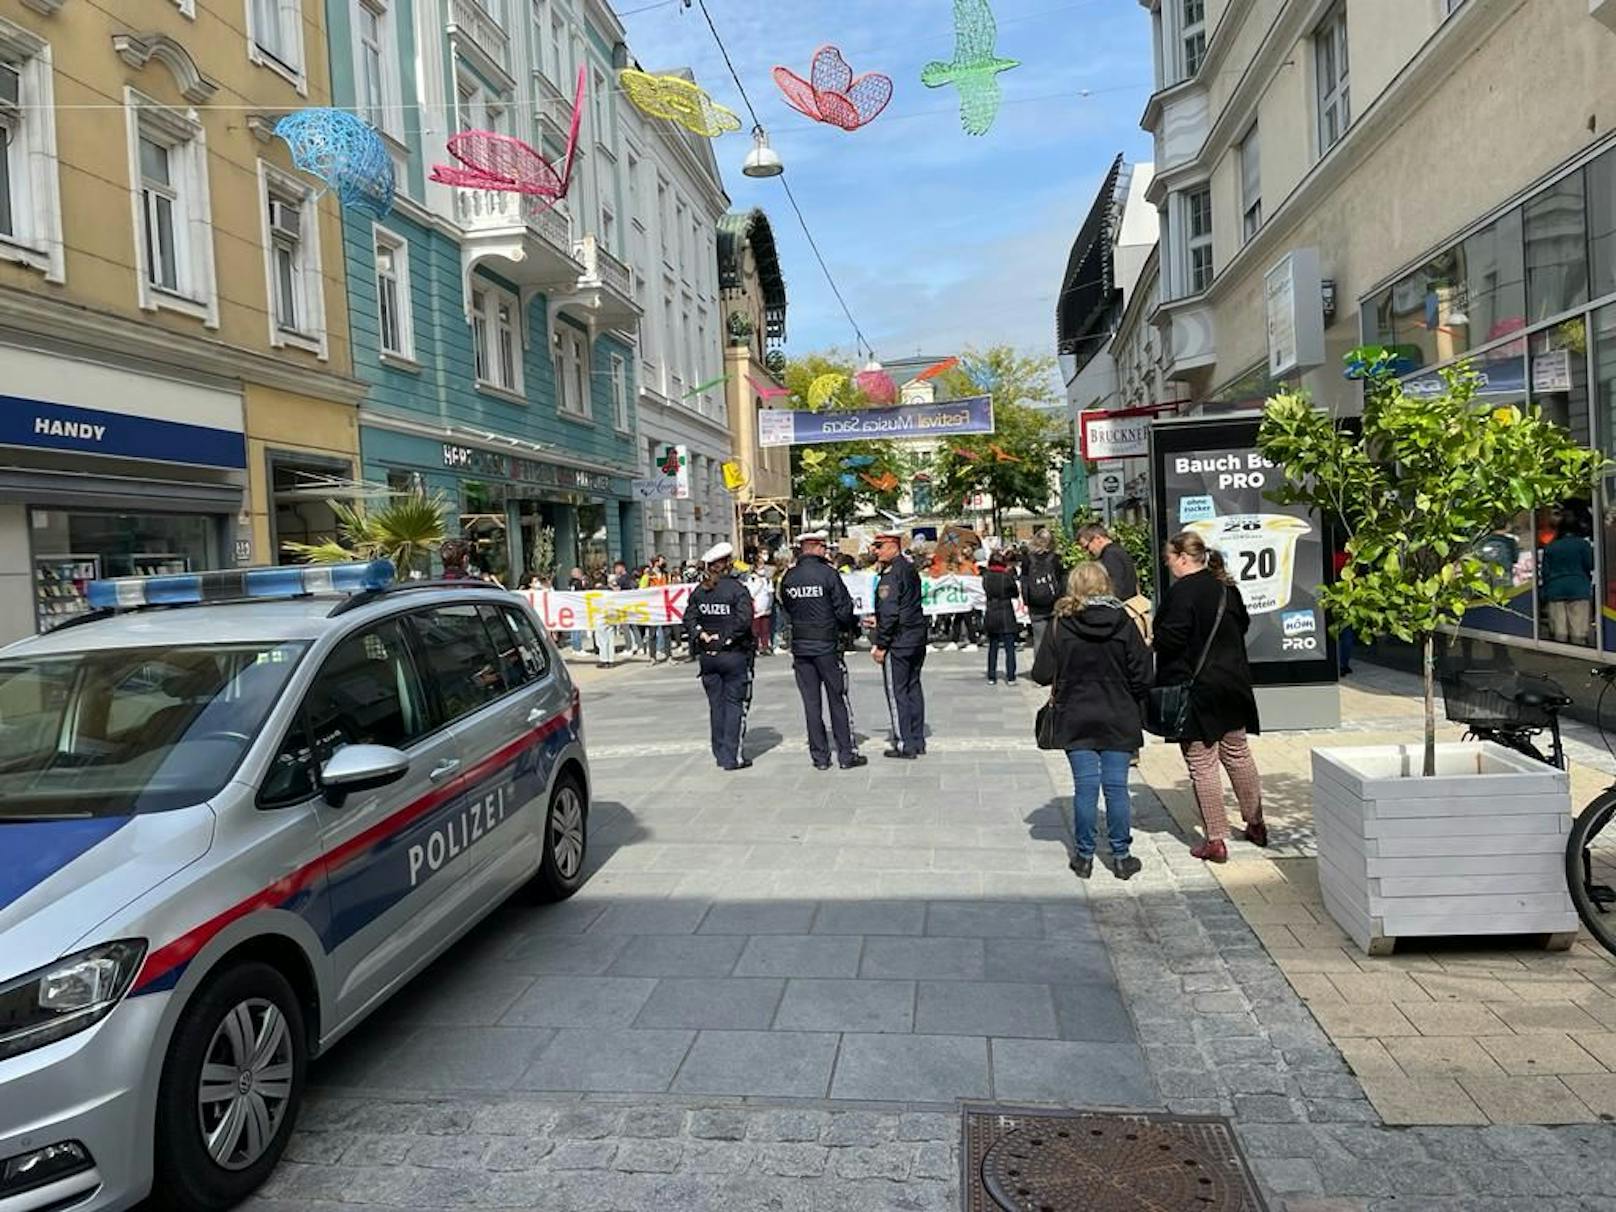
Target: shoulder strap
(1206, 649)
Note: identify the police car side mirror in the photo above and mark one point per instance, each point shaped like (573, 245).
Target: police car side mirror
(361, 768)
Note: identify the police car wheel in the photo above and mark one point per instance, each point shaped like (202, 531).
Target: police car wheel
(566, 842)
(232, 1084)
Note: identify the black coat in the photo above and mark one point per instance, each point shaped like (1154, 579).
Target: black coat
(1119, 566)
(1001, 591)
(816, 601)
(900, 621)
(1222, 700)
(1100, 668)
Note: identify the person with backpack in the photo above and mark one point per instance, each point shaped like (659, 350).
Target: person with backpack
(1043, 579)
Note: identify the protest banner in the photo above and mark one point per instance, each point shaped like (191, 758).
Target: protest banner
(950, 594)
(585, 610)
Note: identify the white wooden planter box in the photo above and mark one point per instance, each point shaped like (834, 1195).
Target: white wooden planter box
(1477, 849)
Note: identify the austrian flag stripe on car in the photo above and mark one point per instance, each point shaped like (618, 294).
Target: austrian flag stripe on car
(165, 964)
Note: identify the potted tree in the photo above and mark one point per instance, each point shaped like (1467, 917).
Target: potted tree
(1429, 839)
(404, 527)
(740, 327)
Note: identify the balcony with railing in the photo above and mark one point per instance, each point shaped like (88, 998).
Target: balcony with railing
(528, 238)
(606, 287)
(480, 33)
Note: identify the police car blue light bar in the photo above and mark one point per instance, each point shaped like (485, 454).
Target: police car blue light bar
(234, 585)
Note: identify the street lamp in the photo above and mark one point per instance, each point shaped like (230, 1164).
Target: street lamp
(762, 160)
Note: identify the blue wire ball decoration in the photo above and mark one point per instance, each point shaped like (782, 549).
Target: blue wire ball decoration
(345, 153)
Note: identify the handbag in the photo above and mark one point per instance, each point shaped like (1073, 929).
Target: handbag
(1167, 709)
(1044, 726)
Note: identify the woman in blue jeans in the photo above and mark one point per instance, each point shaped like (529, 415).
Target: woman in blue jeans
(1094, 658)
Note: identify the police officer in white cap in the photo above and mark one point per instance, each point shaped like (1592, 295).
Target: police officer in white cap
(821, 612)
(718, 620)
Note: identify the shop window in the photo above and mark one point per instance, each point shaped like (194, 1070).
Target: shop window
(302, 491)
(496, 343)
(592, 546)
(1422, 312)
(30, 207)
(1493, 304)
(1604, 339)
(72, 548)
(1602, 225)
(1330, 64)
(393, 305)
(1564, 533)
(1556, 249)
(291, 221)
(1376, 317)
(276, 36)
(168, 159)
(483, 525)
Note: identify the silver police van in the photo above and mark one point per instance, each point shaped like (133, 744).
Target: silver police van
(239, 810)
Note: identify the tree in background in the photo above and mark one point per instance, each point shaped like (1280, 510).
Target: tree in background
(817, 473)
(1012, 465)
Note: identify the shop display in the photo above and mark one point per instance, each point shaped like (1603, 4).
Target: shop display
(59, 583)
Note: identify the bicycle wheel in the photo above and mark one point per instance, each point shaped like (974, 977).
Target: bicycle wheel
(1591, 868)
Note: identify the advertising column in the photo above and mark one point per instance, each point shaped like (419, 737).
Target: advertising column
(1211, 479)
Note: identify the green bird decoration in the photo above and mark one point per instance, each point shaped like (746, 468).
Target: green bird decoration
(975, 68)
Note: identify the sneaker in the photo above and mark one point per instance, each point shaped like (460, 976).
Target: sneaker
(821, 765)
(973, 648)
(993, 681)
(951, 646)
(1211, 852)
(854, 762)
(743, 764)
(1082, 867)
(1127, 867)
(900, 755)
(1010, 681)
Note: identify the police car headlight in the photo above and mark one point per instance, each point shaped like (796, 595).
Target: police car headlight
(67, 996)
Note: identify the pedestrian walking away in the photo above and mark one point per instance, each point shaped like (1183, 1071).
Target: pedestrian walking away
(718, 622)
(1096, 664)
(1001, 591)
(820, 609)
(899, 647)
(1043, 580)
(1223, 708)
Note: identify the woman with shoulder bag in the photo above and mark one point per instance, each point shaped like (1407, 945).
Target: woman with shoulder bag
(1096, 662)
(1200, 636)
(1001, 591)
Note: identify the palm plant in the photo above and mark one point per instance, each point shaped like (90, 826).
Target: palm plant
(404, 527)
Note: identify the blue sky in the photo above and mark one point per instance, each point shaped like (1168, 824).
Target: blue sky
(938, 240)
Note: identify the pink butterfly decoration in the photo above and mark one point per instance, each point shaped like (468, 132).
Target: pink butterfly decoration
(766, 390)
(489, 160)
(877, 386)
(831, 94)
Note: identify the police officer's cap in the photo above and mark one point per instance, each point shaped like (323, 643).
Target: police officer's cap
(814, 536)
(889, 536)
(721, 551)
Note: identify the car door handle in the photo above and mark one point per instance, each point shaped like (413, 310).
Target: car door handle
(444, 769)
(535, 717)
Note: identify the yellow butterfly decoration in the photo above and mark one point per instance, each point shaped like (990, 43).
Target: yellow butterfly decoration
(813, 459)
(823, 388)
(678, 100)
(735, 477)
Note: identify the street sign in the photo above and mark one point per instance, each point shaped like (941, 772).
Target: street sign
(1111, 483)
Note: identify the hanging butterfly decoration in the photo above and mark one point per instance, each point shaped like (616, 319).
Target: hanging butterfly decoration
(970, 456)
(676, 99)
(938, 368)
(877, 386)
(505, 164)
(768, 390)
(736, 476)
(344, 153)
(832, 94)
(707, 386)
(858, 461)
(885, 482)
(975, 68)
(823, 388)
(848, 480)
(1001, 455)
(813, 460)
(982, 373)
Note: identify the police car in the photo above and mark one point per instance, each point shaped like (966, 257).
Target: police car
(237, 812)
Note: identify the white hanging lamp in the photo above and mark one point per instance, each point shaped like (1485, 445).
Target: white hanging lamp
(762, 160)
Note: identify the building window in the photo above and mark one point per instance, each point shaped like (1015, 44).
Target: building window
(292, 241)
(558, 371)
(558, 38)
(496, 343)
(569, 359)
(1556, 249)
(619, 392)
(376, 66)
(30, 206)
(276, 36)
(1198, 238)
(1330, 64)
(393, 294)
(598, 102)
(581, 373)
(1192, 35)
(608, 227)
(173, 219)
(1251, 182)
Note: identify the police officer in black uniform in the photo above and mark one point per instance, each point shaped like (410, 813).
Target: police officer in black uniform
(821, 612)
(900, 646)
(718, 621)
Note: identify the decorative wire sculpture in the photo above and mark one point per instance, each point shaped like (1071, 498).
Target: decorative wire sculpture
(345, 153)
(736, 476)
(823, 388)
(854, 462)
(768, 390)
(970, 456)
(707, 386)
(489, 160)
(678, 100)
(981, 373)
(813, 460)
(877, 386)
(938, 368)
(848, 479)
(1001, 455)
(885, 482)
(831, 94)
(975, 68)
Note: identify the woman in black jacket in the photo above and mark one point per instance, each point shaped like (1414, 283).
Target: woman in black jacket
(1223, 709)
(1001, 591)
(1096, 660)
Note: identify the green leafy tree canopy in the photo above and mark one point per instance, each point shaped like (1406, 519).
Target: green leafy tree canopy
(1416, 489)
(818, 476)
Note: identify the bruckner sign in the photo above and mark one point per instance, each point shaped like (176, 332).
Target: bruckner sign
(1124, 434)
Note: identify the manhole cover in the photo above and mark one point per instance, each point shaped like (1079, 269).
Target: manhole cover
(1040, 1161)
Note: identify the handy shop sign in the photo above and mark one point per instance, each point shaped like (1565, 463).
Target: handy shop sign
(786, 427)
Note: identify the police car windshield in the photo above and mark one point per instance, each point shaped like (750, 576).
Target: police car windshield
(115, 731)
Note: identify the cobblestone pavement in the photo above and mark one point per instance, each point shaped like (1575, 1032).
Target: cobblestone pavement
(506, 1078)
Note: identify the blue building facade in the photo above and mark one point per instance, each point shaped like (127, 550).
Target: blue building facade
(496, 337)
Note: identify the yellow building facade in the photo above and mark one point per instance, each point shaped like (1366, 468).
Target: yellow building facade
(173, 322)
